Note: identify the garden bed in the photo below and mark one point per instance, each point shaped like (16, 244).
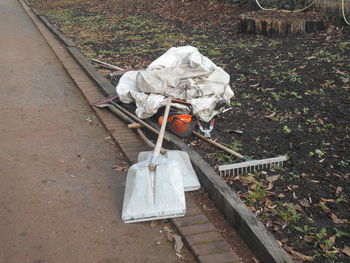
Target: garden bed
(292, 97)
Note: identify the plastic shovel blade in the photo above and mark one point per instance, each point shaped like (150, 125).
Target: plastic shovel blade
(189, 177)
(153, 195)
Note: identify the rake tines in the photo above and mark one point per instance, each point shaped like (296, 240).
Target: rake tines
(251, 166)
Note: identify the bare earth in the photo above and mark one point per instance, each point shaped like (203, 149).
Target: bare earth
(60, 201)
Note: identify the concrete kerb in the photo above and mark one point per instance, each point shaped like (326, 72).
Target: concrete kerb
(247, 225)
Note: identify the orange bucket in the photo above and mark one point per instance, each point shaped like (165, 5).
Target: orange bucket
(181, 125)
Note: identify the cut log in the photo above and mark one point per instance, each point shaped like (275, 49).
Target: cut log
(276, 23)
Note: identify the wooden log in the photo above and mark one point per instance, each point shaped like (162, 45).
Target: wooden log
(276, 23)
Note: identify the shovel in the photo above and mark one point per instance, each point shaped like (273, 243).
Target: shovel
(154, 188)
(189, 177)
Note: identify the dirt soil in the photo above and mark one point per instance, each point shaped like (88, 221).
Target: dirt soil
(292, 98)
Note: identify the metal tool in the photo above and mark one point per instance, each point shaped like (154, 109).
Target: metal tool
(207, 132)
(154, 188)
(245, 167)
(189, 177)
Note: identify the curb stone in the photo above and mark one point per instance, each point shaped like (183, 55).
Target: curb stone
(250, 229)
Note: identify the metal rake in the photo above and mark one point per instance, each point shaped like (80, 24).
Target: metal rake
(251, 166)
(245, 167)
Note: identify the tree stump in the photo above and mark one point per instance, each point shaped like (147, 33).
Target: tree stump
(277, 23)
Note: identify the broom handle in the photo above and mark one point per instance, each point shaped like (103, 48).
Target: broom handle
(162, 129)
(220, 146)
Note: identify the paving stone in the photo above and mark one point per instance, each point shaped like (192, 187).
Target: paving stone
(190, 220)
(193, 211)
(204, 238)
(211, 248)
(196, 229)
(190, 202)
(227, 257)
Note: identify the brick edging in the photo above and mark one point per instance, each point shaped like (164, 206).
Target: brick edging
(201, 236)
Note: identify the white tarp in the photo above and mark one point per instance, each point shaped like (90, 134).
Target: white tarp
(182, 73)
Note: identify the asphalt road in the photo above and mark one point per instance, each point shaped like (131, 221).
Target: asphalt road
(60, 201)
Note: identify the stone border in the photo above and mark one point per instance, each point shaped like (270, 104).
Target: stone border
(247, 225)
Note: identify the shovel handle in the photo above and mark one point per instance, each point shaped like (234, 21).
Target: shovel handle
(162, 129)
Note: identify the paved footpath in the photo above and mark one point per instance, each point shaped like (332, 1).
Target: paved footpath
(60, 201)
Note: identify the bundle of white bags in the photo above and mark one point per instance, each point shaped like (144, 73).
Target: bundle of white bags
(181, 73)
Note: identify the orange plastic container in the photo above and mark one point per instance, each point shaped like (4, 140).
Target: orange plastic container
(181, 125)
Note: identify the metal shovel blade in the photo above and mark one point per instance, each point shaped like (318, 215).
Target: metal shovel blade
(189, 177)
(153, 194)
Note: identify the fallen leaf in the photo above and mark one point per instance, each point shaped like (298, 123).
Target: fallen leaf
(308, 239)
(253, 187)
(272, 178)
(178, 243)
(254, 85)
(180, 256)
(271, 116)
(312, 57)
(170, 237)
(205, 207)
(166, 228)
(337, 220)
(332, 239)
(120, 168)
(338, 190)
(320, 122)
(324, 207)
(281, 195)
(295, 196)
(284, 240)
(247, 179)
(252, 208)
(284, 225)
(276, 228)
(299, 255)
(304, 175)
(154, 223)
(341, 73)
(304, 203)
(346, 251)
(298, 207)
(325, 200)
(270, 186)
(255, 260)
(310, 199)
(270, 204)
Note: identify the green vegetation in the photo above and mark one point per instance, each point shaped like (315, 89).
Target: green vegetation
(288, 213)
(286, 130)
(256, 195)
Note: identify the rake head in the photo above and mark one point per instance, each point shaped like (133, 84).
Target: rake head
(251, 166)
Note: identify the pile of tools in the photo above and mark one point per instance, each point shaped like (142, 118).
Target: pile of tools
(155, 185)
